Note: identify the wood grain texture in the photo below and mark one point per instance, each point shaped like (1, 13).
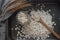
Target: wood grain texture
(49, 29)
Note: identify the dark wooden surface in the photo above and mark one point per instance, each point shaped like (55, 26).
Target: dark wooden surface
(51, 4)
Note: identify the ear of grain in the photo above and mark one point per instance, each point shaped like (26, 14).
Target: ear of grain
(12, 7)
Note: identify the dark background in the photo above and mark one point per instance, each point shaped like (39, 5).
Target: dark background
(54, 5)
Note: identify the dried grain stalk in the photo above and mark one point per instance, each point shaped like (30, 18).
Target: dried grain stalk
(12, 2)
(13, 6)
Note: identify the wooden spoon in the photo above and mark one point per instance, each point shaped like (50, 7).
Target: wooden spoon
(49, 29)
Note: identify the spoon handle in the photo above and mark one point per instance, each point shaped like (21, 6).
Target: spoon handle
(49, 29)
